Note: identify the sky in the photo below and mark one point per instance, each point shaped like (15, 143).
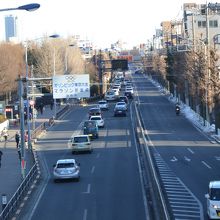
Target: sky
(102, 21)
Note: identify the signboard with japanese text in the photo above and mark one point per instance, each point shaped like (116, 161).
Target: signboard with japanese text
(71, 86)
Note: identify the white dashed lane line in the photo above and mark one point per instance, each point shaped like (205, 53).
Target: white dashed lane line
(206, 165)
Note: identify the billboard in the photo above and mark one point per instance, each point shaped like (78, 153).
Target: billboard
(120, 64)
(71, 86)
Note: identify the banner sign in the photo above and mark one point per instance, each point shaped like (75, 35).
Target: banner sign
(71, 86)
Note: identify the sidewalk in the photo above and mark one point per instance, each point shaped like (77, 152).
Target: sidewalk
(10, 170)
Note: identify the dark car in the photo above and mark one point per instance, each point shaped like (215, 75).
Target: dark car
(123, 99)
(119, 111)
(91, 128)
(94, 112)
(128, 94)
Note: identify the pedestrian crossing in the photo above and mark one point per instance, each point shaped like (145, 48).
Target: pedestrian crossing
(183, 204)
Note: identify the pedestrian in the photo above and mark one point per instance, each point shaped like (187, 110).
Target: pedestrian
(41, 108)
(1, 158)
(17, 139)
(5, 134)
(51, 105)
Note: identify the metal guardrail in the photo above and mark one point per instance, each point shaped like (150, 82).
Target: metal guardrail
(14, 202)
(38, 130)
(156, 201)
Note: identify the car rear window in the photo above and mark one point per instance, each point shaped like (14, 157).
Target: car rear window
(80, 139)
(65, 165)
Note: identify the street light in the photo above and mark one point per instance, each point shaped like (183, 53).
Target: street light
(28, 7)
(54, 71)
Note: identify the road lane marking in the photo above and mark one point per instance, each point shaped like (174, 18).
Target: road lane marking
(85, 214)
(88, 189)
(174, 159)
(206, 165)
(98, 155)
(187, 159)
(190, 150)
(93, 169)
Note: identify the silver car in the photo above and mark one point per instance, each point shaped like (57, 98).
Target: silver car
(66, 169)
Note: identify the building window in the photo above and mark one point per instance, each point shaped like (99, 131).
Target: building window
(201, 24)
(213, 23)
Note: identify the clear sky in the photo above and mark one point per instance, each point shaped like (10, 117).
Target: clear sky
(102, 21)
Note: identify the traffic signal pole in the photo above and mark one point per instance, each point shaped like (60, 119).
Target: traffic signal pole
(21, 111)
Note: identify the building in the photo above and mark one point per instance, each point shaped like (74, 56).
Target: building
(10, 27)
(201, 23)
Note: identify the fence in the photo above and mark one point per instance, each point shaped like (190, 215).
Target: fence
(15, 201)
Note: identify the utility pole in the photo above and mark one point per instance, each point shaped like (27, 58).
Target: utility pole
(100, 72)
(21, 111)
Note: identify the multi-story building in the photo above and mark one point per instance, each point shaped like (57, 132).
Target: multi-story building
(10, 27)
(201, 23)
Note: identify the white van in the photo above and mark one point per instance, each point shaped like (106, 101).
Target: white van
(80, 143)
(213, 200)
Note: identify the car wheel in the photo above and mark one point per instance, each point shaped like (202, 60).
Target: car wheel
(78, 179)
(55, 181)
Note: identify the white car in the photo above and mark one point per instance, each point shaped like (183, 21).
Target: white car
(121, 105)
(110, 96)
(213, 200)
(129, 89)
(100, 121)
(103, 104)
(66, 169)
(80, 143)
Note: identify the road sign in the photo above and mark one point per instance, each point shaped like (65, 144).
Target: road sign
(71, 86)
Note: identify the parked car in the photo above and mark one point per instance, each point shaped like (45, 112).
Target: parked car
(95, 111)
(80, 143)
(91, 128)
(103, 104)
(119, 110)
(213, 200)
(100, 121)
(66, 169)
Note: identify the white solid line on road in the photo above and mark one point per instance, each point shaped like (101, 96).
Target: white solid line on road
(93, 169)
(85, 214)
(190, 150)
(206, 164)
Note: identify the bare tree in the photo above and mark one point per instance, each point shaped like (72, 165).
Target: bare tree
(11, 65)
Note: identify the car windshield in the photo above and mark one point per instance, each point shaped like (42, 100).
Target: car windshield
(120, 103)
(215, 194)
(65, 165)
(89, 124)
(95, 118)
(102, 102)
(80, 139)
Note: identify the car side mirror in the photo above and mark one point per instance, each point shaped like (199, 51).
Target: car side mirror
(78, 164)
(54, 165)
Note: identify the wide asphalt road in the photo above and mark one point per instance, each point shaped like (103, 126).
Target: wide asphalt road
(110, 186)
(185, 158)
